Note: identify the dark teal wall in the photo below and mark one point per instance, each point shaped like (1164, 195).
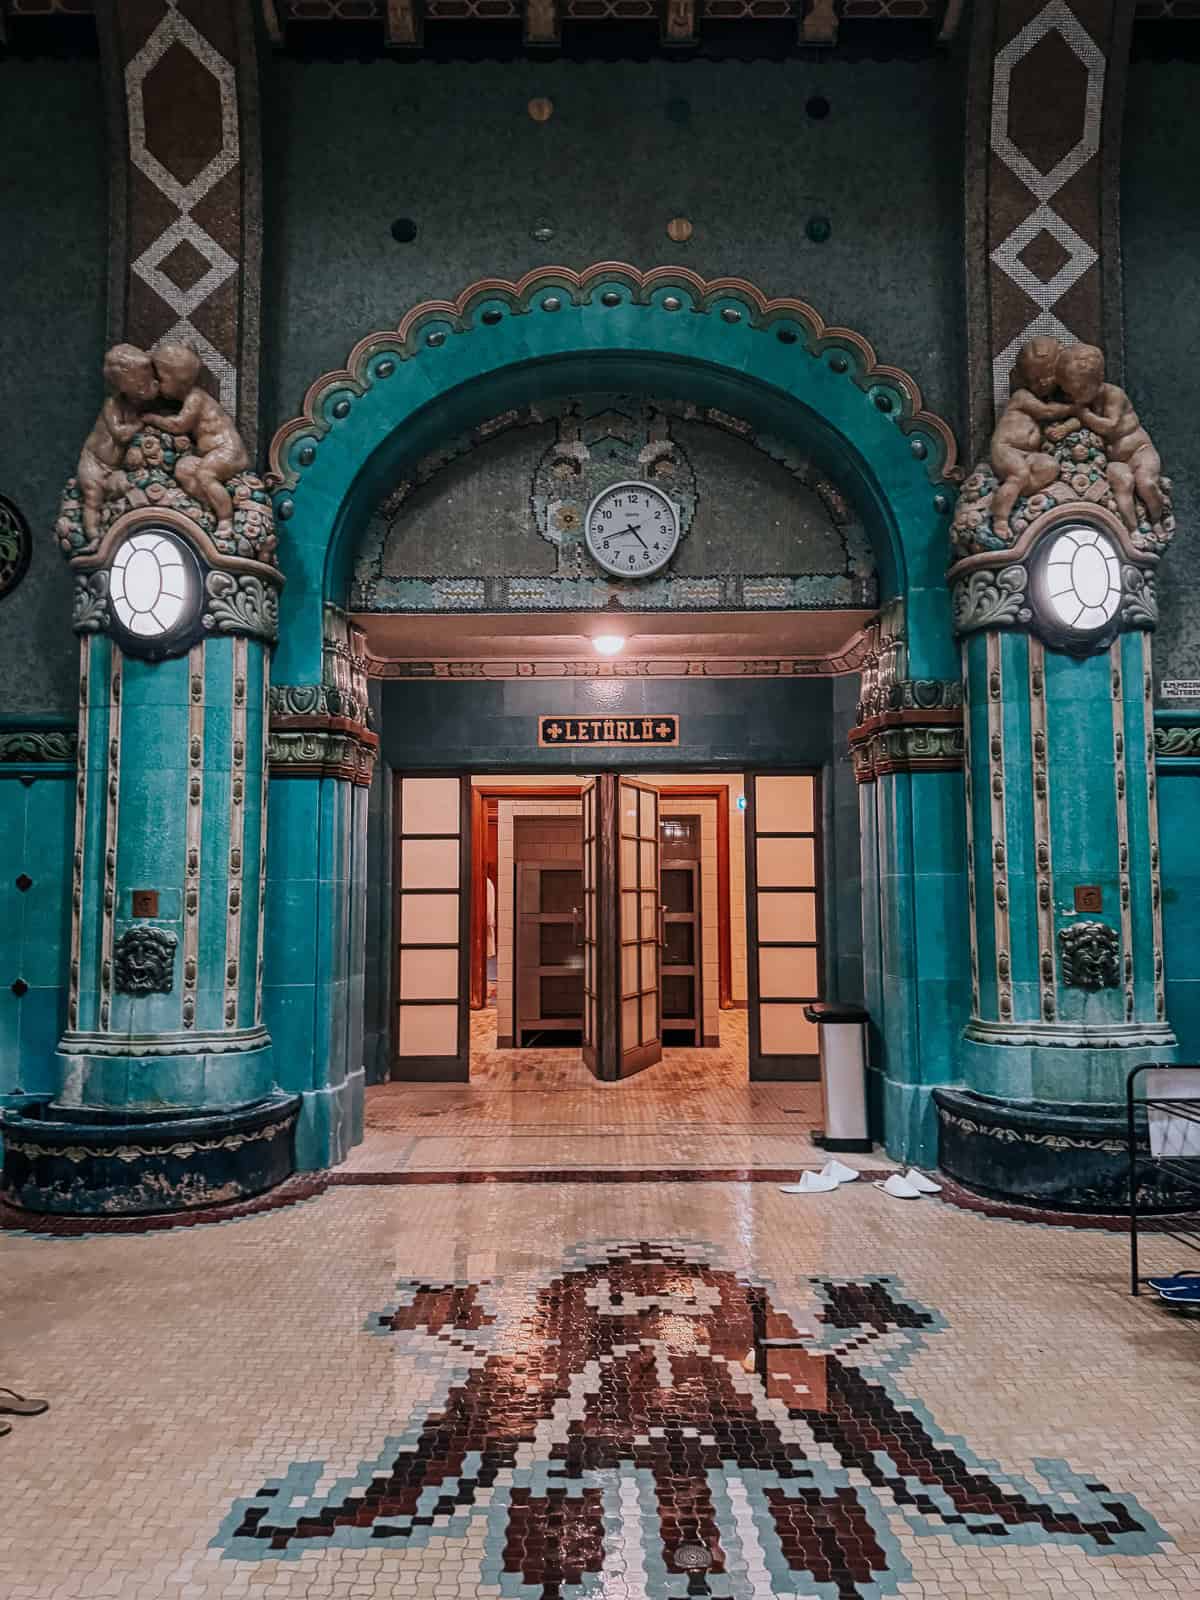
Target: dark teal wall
(350, 147)
(727, 723)
(1160, 221)
(53, 273)
(1180, 844)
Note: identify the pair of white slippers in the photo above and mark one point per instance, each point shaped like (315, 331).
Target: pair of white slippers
(910, 1185)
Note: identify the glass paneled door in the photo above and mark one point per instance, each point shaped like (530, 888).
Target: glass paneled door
(640, 927)
(622, 927)
(784, 921)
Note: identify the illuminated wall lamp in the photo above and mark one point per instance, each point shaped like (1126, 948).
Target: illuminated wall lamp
(608, 644)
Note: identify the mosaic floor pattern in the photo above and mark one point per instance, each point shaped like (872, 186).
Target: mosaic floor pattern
(542, 1108)
(656, 1390)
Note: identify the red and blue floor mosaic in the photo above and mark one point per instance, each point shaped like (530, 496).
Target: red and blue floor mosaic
(650, 1422)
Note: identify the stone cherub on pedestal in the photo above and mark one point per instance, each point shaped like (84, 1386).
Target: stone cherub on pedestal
(190, 459)
(1065, 434)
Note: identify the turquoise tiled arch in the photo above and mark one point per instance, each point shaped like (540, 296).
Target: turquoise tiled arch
(451, 364)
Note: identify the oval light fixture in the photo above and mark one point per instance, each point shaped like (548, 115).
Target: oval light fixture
(608, 644)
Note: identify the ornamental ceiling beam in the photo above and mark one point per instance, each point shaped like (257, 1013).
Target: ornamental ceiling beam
(185, 232)
(1044, 105)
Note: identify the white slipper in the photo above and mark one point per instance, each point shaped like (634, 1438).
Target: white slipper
(810, 1183)
(838, 1171)
(898, 1187)
(921, 1182)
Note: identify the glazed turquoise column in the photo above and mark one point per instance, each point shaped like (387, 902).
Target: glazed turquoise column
(165, 999)
(907, 751)
(1066, 948)
(322, 756)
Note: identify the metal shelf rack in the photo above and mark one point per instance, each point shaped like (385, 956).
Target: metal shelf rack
(1146, 1170)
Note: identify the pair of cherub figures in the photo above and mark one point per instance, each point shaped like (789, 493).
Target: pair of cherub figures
(1061, 389)
(135, 379)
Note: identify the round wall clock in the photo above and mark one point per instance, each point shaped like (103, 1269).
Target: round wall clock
(16, 546)
(632, 529)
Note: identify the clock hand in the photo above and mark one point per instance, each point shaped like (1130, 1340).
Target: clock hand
(631, 529)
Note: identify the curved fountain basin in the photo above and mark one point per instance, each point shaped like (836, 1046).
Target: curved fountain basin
(86, 1161)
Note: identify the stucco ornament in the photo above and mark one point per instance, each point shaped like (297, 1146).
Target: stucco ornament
(161, 441)
(1065, 435)
(1060, 530)
(15, 546)
(144, 961)
(1090, 956)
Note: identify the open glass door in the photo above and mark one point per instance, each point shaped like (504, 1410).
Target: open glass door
(587, 930)
(640, 927)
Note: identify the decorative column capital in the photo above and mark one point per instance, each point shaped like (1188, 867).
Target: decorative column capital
(170, 535)
(322, 730)
(1059, 531)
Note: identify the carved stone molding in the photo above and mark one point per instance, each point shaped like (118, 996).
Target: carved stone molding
(912, 741)
(241, 603)
(1177, 741)
(16, 546)
(322, 747)
(23, 747)
(987, 598)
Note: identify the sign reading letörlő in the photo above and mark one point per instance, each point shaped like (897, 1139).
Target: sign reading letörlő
(564, 732)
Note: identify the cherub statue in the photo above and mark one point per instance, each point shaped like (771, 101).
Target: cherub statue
(130, 375)
(219, 451)
(1134, 466)
(1021, 464)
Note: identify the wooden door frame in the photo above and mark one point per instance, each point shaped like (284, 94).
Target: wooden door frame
(429, 1069)
(719, 792)
(810, 1073)
(481, 793)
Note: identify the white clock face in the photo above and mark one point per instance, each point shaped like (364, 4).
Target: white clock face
(632, 529)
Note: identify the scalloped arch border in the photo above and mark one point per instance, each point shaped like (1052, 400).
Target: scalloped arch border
(864, 368)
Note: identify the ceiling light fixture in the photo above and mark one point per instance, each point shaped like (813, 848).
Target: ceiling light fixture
(608, 644)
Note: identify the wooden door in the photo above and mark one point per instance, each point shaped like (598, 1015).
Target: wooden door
(431, 861)
(548, 981)
(783, 915)
(639, 927)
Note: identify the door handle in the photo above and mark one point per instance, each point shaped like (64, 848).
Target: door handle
(577, 925)
(662, 925)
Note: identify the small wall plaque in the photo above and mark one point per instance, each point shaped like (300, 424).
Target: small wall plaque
(1088, 897)
(560, 732)
(1181, 689)
(145, 902)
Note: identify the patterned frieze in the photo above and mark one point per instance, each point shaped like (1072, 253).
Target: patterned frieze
(1043, 148)
(185, 246)
(37, 747)
(322, 730)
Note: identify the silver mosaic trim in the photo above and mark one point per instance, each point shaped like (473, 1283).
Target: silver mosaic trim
(1000, 905)
(262, 841)
(1160, 990)
(1048, 1141)
(1043, 864)
(81, 794)
(237, 835)
(970, 802)
(134, 1152)
(111, 817)
(1120, 784)
(194, 834)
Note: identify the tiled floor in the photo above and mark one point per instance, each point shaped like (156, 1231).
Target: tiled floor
(543, 1108)
(542, 1392)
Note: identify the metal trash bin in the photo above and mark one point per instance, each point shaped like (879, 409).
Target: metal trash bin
(842, 1042)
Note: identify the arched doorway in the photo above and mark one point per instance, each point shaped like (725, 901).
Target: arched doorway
(448, 366)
